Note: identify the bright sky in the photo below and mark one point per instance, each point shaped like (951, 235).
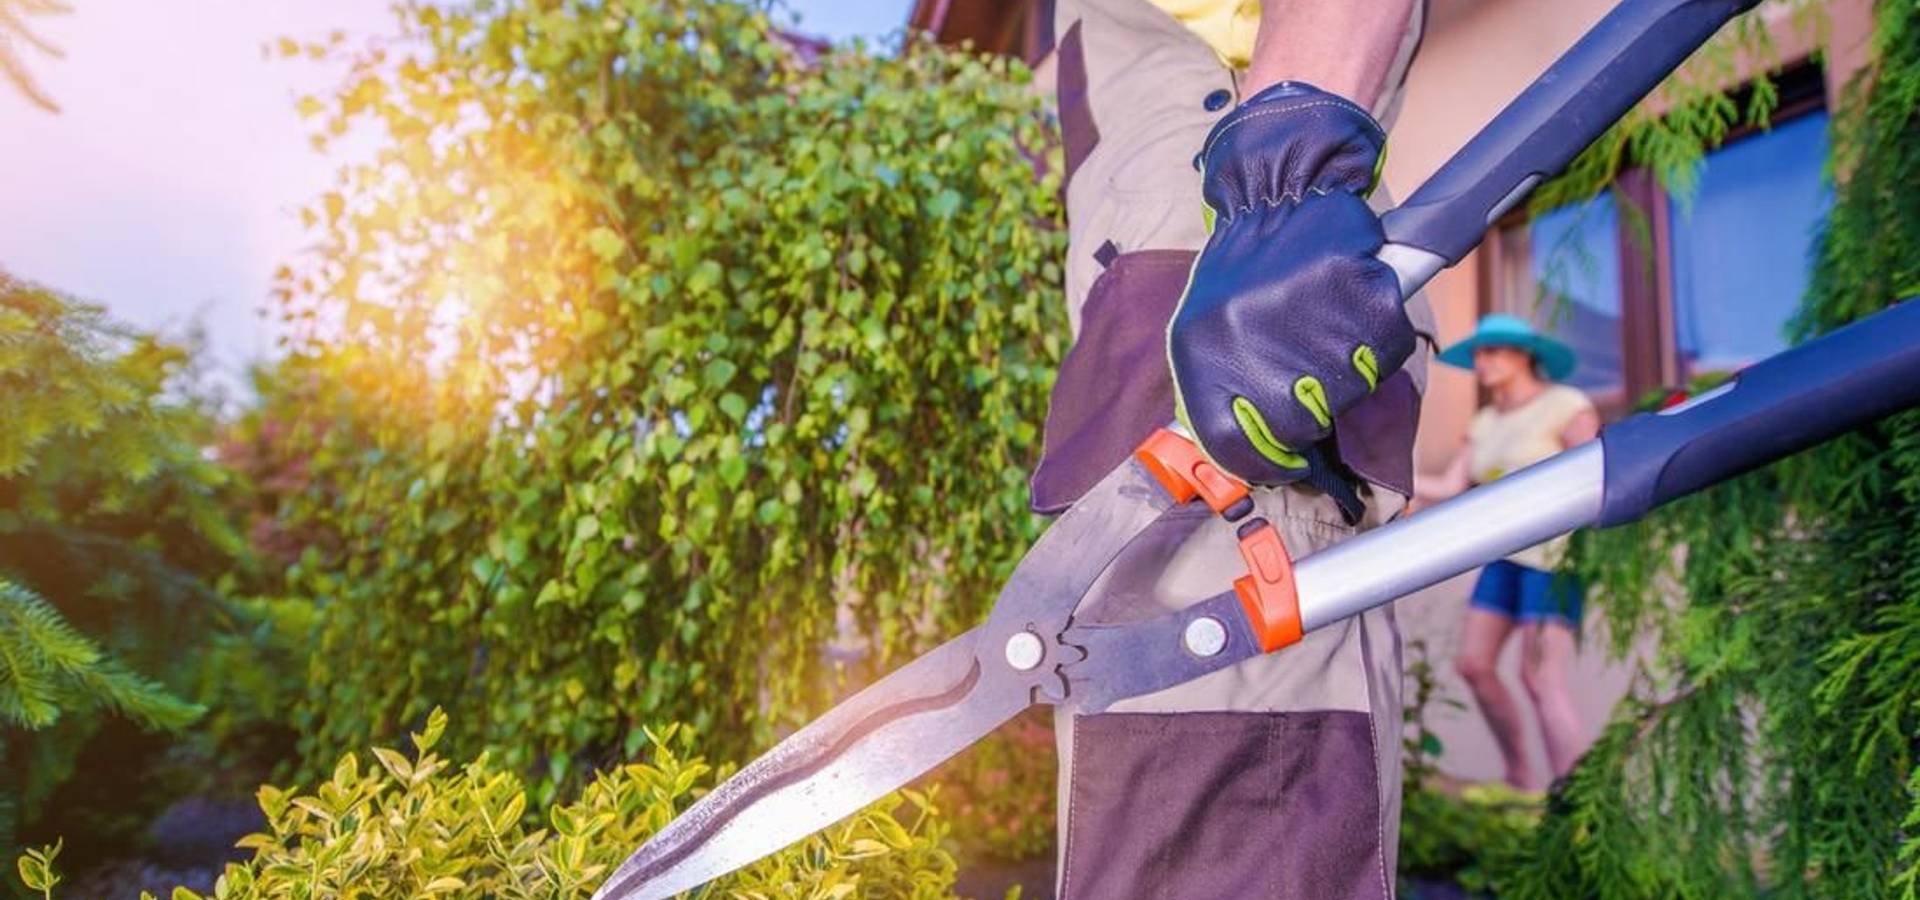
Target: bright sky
(167, 186)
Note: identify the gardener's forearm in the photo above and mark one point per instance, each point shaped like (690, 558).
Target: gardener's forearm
(1342, 46)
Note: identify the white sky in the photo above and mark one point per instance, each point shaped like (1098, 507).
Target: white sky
(168, 184)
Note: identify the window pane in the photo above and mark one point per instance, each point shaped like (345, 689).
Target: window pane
(1740, 253)
(1575, 254)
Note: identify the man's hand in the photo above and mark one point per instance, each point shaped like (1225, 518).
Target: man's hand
(1288, 320)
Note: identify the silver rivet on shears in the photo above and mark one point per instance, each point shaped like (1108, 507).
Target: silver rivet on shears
(1205, 637)
(1024, 651)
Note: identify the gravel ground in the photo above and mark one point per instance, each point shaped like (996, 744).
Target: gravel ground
(191, 843)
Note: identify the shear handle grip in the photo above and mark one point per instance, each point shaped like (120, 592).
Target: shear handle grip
(1266, 591)
(1584, 92)
(1841, 381)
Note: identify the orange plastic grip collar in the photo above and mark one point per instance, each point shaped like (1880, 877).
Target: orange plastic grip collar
(1267, 593)
(1185, 472)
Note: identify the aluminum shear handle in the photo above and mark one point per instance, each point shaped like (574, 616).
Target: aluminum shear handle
(1794, 400)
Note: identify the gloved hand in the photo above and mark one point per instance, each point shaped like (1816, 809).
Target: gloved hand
(1288, 320)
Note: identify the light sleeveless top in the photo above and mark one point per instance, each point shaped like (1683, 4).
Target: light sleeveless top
(1507, 441)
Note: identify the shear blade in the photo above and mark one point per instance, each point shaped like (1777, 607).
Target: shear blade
(1133, 659)
(912, 720)
(877, 741)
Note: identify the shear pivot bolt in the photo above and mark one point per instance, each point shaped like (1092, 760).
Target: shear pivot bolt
(1205, 637)
(1024, 651)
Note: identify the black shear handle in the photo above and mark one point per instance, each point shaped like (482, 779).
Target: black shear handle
(1568, 107)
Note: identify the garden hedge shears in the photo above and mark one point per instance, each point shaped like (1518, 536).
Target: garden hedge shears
(1031, 650)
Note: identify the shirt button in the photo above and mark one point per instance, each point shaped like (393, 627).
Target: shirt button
(1217, 100)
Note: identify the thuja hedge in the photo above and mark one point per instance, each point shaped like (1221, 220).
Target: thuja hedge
(1772, 750)
(652, 370)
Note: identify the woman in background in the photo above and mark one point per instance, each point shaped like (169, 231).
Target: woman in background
(1530, 418)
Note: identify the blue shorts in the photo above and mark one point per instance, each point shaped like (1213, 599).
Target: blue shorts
(1526, 594)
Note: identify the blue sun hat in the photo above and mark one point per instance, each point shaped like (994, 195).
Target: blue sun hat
(1498, 330)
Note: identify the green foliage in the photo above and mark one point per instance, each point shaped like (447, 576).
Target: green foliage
(109, 506)
(1772, 749)
(1865, 257)
(79, 391)
(36, 870)
(1445, 831)
(111, 521)
(13, 27)
(651, 373)
(1689, 114)
(420, 825)
(50, 669)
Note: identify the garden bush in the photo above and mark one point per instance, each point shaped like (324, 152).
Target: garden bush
(421, 825)
(657, 369)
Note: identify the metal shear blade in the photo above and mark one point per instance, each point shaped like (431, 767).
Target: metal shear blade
(1134, 659)
(913, 719)
(879, 739)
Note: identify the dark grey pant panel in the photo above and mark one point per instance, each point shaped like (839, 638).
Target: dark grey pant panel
(1224, 806)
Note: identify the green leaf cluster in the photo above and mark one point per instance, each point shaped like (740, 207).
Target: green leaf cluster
(654, 370)
(87, 428)
(36, 869)
(1688, 114)
(418, 824)
(1770, 750)
(49, 669)
(1447, 829)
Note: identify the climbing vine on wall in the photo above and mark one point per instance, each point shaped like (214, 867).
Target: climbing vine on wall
(657, 368)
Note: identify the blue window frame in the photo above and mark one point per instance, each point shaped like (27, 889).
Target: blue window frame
(1575, 262)
(1716, 288)
(1742, 242)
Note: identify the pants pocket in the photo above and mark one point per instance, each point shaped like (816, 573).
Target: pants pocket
(1114, 387)
(1218, 805)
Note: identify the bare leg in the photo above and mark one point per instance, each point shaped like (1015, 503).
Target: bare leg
(1547, 650)
(1480, 640)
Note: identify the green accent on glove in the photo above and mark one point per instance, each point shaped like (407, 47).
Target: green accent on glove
(1261, 437)
(1379, 167)
(1313, 395)
(1368, 365)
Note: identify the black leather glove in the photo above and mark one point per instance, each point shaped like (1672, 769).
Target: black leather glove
(1288, 320)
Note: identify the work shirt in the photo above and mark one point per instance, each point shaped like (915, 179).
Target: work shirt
(1506, 441)
(1228, 26)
